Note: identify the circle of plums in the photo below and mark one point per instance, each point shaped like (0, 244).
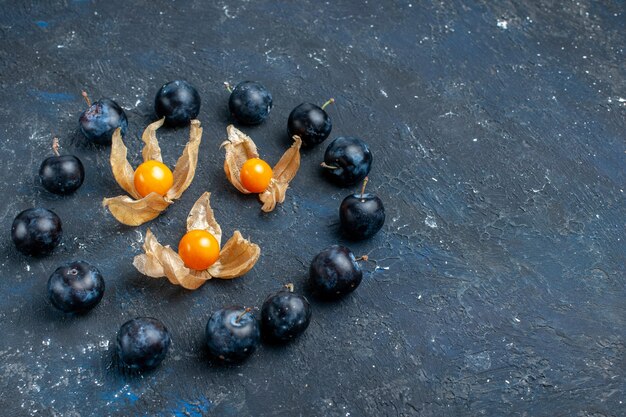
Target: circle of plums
(232, 333)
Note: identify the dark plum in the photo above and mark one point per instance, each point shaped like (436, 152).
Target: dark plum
(232, 334)
(361, 215)
(310, 122)
(334, 273)
(177, 101)
(36, 231)
(142, 343)
(76, 287)
(284, 315)
(347, 160)
(101, 119)
(250, 102)
(61, 174)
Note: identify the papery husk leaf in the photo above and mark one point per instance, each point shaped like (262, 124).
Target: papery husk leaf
(186, 165)
(122, 170)
(275, 193)
(136, 212)
(148, 263)
(162, 261)
(177, 273)
(201, 217)
(237, 257)
(151, 150)
(194, 279)
(289, 164)
(239, 148)
(284, 171)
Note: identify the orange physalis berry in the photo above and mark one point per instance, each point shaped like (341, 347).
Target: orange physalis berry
(153, 177)
(199, 249)
(255, 175)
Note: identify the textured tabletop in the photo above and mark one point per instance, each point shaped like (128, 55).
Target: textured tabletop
(498, 131)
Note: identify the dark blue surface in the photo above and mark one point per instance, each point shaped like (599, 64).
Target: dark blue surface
(497, 130)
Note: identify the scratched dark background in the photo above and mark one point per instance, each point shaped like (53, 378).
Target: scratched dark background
(498, 131)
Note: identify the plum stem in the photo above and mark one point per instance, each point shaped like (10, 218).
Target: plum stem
(325, 165)
(365, 181)
(86, 97)
(228, 86)
(364, 258)
(239, 317)
(289, 287)
(330, 101)
(55, 146)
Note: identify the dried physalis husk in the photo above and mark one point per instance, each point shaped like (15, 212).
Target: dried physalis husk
(236, 258)
(284, 171)
(240, 147)
(137, 210)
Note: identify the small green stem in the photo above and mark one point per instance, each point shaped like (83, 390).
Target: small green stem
(228, 87)
(365, 181)
(330, 101)
(290, 287)
(325, 165)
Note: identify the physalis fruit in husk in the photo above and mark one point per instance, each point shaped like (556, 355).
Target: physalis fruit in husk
(152, 187)
(249, 174)
(234, 259)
